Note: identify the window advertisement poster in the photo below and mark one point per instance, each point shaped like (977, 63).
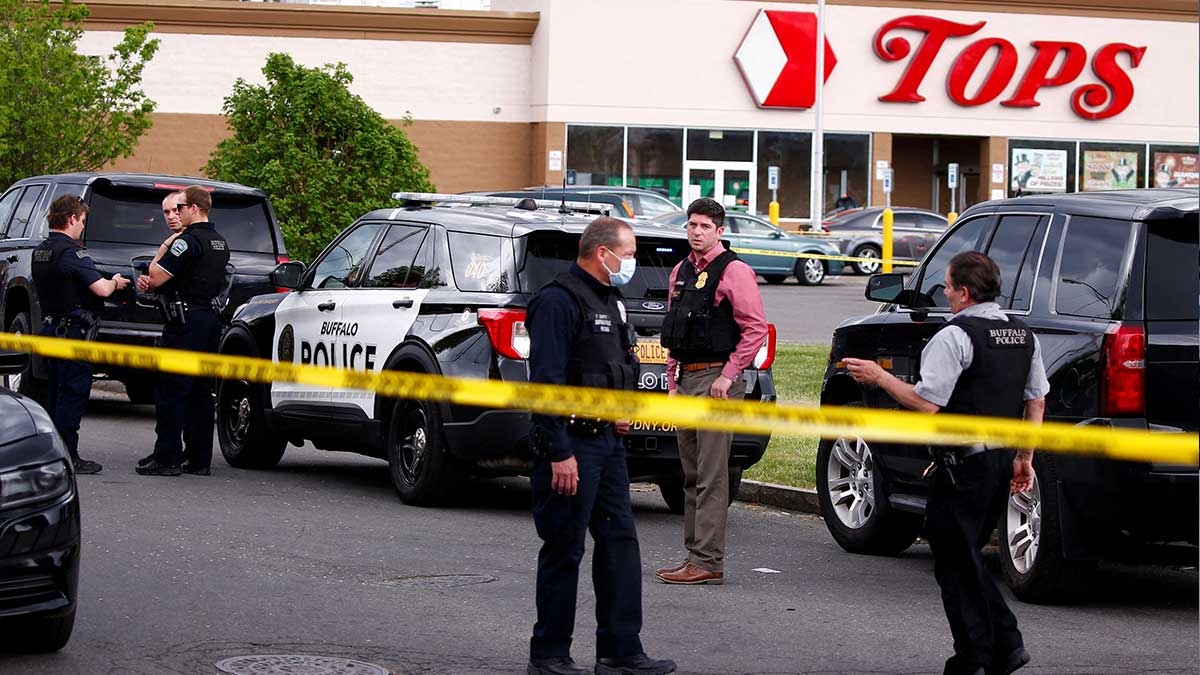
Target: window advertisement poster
(1176, 169)
(1035, 170)
(1109, 170)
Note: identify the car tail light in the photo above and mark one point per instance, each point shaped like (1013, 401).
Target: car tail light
(1123, 387)
(766, 353)
(279, 260)
(507, 332)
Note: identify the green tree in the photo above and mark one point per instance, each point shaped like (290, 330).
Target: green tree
(320, 152)
(62, 110)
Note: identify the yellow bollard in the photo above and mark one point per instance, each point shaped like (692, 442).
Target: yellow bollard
(950, 218)
(889, 218)
(773, 213)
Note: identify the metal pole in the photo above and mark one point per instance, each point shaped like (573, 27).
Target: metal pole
(817, 195)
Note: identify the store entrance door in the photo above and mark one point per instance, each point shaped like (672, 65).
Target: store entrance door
(732, 184)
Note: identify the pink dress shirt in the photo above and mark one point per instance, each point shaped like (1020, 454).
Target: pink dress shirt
(739, 285)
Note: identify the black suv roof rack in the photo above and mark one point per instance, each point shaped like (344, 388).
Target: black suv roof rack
(419, 199)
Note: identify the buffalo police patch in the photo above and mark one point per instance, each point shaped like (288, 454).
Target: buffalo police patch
(178, 248)
(287, 345)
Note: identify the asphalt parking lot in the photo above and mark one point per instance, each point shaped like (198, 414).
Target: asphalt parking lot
(808, 314)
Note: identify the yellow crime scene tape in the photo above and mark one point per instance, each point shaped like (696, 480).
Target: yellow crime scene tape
(820, 256)
(684, 411)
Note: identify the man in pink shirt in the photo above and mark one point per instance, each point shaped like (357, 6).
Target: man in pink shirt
(714, 326)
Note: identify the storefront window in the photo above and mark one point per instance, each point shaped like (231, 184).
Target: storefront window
(720, 145)
(595, 155)
(1111, 166)
(656, 161)
(792, 153)
(1040, 166)
(1174, 166)
(847, 158)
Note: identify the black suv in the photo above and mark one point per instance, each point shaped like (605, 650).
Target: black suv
(1108, 281)
(442, 290)
(125, 223)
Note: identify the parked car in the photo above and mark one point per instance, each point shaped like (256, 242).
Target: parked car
(1108, 282)
(125, 223)
(39, 524)
(858, 232)
(436, 289)
(638, 203)
(743, 230)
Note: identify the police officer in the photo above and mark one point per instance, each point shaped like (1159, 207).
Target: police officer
(981, 362)
(69, 288)
(186, 279)
(579, 336)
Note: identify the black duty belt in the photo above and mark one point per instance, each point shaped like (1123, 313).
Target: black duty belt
(585, 427)
(945, 459)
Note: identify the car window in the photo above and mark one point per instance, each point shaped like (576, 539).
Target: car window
(482, 263)
(7, 205)
(967, 236)
(903, 219)
(1011, 244)
(395, 264)
(930, 222)
(129, 216)
(549, 253)
(1172, 285)
(19, 227)
(754, 228)
(856, 220)
(1089, 267)
(342, 263)
(650, 206)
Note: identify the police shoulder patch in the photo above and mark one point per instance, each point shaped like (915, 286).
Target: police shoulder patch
(179, 247)
(82, 253)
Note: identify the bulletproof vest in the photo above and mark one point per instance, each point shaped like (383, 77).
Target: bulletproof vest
(602, 348)
(994, 384)
(694, 330)
(59, 293)
(206, 278)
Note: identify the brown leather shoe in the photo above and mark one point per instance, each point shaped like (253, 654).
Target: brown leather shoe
(692, 575)
(671, 570)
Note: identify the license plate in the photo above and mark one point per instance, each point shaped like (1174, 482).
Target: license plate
(651, 351)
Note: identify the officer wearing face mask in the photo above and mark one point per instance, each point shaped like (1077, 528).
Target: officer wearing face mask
(579, 336)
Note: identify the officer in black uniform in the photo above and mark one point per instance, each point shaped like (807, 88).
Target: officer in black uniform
(69, 288)
(579, 336)
(981, 362)
(187, 278)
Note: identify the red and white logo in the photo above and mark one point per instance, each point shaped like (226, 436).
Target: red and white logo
(778, 59)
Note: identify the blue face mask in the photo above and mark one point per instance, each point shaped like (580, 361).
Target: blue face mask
(625, 273)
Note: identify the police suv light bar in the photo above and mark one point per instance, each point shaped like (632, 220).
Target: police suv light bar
(484, 200)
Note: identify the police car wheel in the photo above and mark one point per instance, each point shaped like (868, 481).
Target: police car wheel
(854, 503)
(672, 490)
(25, 383)
(810, 271)
(866, 267)
(421, 471)
(1030, 542)
(245, 441)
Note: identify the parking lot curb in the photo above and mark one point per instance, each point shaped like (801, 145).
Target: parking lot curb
(800, 500)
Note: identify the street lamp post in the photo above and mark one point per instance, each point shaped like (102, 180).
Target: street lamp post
(817, 195)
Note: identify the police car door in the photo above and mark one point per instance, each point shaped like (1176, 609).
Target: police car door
(378, 315)
(308, 323)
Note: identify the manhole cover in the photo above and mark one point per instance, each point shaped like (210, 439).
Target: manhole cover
(297, 664)
(439, 580)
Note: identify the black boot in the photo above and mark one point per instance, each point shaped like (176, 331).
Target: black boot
(85, 467)
(559, 665)
(639, 664)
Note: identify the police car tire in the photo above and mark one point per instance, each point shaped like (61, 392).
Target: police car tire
(432, 479)
(258, 448)
(39, 636)
(886, 531)
(672, 490)
(1051, 578)
(30, 386)
(140, 390)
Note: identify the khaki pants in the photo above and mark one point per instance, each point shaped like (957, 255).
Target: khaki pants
(705, 459)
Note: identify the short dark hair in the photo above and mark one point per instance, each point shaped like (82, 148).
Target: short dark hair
(708, 207)
(603, 231)
(63, 208)
(977, 273)
(194, 194)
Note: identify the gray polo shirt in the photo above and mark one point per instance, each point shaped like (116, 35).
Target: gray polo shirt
(950, 352)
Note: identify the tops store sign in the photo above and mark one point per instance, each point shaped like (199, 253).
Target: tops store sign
(777, 58)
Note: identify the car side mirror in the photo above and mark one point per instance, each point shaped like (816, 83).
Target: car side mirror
(776, 234)
(885, 287)
(288, 274)
(13, 363)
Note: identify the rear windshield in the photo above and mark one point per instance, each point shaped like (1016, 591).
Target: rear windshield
(549, 253)
(1172, 285)
(126, 216)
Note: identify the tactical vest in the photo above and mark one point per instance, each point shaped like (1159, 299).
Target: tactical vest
(59, 293)
(602, 350)
(695, 330)
(994, 384)
(206, 278)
